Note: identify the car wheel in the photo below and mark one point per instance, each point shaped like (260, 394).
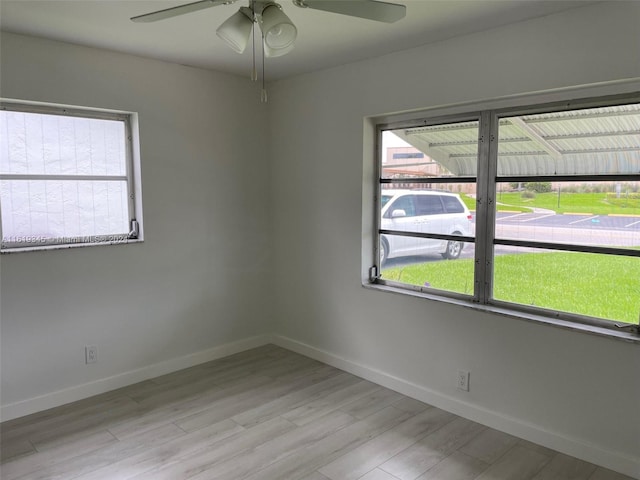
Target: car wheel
(384, 252)
(453, 251)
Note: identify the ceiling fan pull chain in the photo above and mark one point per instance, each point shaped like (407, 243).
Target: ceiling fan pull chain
(263, 96)
(254, 72)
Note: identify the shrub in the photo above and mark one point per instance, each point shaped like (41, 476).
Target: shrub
(528, 194)
(538, 187)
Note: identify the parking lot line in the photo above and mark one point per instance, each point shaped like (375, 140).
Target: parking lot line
(632, 224)
(540, 217)
(511, 216)
(583, 220)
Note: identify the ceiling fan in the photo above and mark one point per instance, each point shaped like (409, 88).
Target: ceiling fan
(278, 31)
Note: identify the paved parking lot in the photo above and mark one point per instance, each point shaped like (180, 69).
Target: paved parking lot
(616, 222)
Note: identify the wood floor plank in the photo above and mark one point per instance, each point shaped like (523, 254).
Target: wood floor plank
(535, 447)
(314, 476)
(432, 449)
(313, 410)
(377, 400)
(294, 400)
(329, 448)
(188, 466)
(378, 474)
(605, 474)
(172, 451)
(564, 467)
(287, 444)
(68, 415)
(221, 372)
(378, 450)
(410, 405)
(58, 414)
(107, 455)
(456, 466)
(13, 449)
(490, 445)
(27, 465)
(271, 368)
(79, 427)
(174, 410)
(519, 463)
(250, 400)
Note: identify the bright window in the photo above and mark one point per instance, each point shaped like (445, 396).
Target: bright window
(66, 177)
(553, 198)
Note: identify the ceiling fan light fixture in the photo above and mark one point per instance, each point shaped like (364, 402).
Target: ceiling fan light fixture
(236, 30)
(273, 52)
(279, 31)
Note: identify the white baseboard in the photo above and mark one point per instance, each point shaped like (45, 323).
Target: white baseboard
(78, 392)
(513, 426)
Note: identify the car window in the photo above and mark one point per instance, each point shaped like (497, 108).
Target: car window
(384, 199)
(429, 204)
(452, 204)
(404, 203)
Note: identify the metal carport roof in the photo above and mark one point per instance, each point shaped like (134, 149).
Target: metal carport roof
(595, 141)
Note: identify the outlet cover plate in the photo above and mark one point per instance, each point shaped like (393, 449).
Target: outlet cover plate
(90, 354)
(463, 380)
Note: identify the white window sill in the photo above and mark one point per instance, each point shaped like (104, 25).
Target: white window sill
(64, 246)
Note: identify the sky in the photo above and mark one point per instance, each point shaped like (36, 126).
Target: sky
(389, 140)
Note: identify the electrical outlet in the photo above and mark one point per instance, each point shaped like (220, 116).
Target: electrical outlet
(91, 354)
(463, 380)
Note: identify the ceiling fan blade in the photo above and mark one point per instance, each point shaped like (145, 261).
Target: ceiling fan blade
(369, 9)
(179, 10)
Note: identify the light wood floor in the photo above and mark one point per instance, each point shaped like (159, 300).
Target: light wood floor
(269, 414)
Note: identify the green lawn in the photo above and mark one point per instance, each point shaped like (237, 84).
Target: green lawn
(595, 203)
(601, 286)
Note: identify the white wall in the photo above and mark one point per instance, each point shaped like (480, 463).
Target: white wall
(570, 390)
(197, 282)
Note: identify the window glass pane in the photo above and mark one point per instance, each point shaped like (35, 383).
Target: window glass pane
(593, 141)
(423, 262)
(596, 285)
(62, 209)
(449, 150)
(582, 213)
(38, 144)
(422, 191)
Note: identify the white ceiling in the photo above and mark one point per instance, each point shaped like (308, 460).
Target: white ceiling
(324, 39)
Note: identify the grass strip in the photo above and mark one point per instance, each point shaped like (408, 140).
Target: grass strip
(603, 286)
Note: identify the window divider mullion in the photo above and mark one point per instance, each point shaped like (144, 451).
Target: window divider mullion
(131, 206)
(486, 208)
(483, 251)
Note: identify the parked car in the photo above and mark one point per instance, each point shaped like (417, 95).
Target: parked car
(422, 211)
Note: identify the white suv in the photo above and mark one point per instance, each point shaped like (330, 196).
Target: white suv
(422, 211)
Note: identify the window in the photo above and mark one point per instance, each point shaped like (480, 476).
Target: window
(452, 205)
(429, 204)
(538, 207)
(67, 177)
(405, 205)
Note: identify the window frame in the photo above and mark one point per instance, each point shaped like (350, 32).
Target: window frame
(486, 181)
(374, 275)
(131, 177)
